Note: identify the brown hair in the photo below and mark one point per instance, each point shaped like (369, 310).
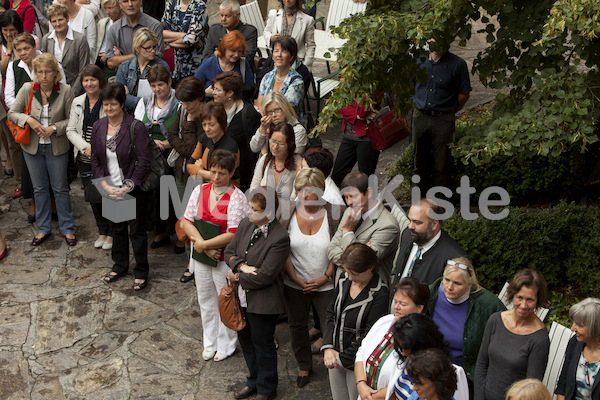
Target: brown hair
(434, 365)
(94, 71)
(358, 257)
(290, 140)
(216, 110)
(159, 73)
(531, 279)
(230, 81)
(223, 159)
(57, 9)
(413, 288)
(189, 89)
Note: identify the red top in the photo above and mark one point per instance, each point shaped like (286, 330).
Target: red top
(27, 14)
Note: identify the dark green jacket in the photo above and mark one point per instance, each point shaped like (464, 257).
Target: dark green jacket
(482, 304)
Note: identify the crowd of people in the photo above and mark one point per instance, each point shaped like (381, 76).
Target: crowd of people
(398, 311)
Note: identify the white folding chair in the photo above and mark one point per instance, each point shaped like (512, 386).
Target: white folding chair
(250, 14)
(559, 339)
(541, 312)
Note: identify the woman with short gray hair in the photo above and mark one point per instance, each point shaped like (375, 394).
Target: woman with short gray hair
(579, 376)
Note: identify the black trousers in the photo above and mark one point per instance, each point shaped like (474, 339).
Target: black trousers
(432, 136)
(137, 236)
(353, 149)
(259, 351)
(85, 173)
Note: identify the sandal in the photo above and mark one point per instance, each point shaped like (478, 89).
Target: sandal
(110, 277)
(140, 285)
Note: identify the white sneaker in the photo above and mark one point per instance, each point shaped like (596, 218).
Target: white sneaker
(207, 355)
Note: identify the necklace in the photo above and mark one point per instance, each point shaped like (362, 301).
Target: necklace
(46, 94)
(116, 127)
(275, 167)
(278, 79)
(312, 216)
(218, 195)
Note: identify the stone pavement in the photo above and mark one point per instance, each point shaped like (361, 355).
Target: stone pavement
(65, 334)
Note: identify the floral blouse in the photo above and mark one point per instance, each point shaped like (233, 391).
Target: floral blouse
(292, 89)
(193, 21)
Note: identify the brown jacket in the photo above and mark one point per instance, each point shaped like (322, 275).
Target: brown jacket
(184, 140)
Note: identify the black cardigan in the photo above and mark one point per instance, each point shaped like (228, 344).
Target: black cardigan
(566, 382)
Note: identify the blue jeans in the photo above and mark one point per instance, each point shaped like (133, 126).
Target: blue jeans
(48, 170)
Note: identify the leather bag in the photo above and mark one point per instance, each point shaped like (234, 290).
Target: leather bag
(387, 129)
(22, 135)
(158, 163)
(230, 310)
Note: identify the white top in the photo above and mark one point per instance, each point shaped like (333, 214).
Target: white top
(44, 120)
(113, 167)
(57, 47)
(332, 193)
(413, 252)
(103, 45)
(9, 88)
(85, 24)
(140, 110)
(237, 208)
(308, 254)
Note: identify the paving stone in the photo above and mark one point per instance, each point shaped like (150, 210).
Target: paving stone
(171, 295)
(189, 322)
(14, 324)
(65, 320)
(14, 378)
(60, 361)
(87, 256)
(19, 293)
(172, 352)
(103, 379)
(104, 344)
(151, 382)
(48, 387)
(133, 314)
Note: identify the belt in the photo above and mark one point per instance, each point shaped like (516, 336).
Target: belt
(433, 113)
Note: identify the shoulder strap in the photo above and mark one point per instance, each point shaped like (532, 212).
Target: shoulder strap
(132, 134)
(243, 68)
(182, 118)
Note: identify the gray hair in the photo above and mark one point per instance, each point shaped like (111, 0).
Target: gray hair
(233, 4)
(587, 313)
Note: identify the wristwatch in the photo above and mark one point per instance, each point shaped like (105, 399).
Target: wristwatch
(54, 128)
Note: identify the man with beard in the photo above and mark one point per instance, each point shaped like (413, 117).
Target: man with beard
(424, 246)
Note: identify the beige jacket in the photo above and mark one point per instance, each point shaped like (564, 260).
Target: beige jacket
(303, 32)
(58, 113)
(75, 125)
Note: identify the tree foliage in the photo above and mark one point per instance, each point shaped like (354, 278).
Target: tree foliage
(543, 55)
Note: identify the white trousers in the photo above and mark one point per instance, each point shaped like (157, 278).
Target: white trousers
(209, 281)
(342, 383)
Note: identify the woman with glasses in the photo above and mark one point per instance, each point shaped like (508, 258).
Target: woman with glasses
(460, 307)
(276, 169)
(515, 343)
(229, 56)
(277, 109)
(361, 298)
(579, 377)
(133, 71)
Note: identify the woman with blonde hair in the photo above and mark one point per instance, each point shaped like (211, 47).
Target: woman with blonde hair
(134, 70)
(46, 154)
(528, 389)
(277, 109)
(460, 307)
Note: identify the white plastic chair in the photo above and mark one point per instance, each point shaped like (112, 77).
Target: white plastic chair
(559, 339)
(250, 14)
(541, 312)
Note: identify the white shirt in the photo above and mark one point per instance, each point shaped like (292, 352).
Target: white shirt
(45, 121)
(332, 193)
(424, 249)
(57, 48)
(116, 176)
(103, 45)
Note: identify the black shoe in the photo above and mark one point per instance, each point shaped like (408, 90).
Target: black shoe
(158, 243)
(9, 172)
(31, 218)
(141, 285)
(186, 278)
(302, 381)
(178, 249)
(244, 392)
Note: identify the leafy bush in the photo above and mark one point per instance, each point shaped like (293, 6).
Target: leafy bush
(562, 242)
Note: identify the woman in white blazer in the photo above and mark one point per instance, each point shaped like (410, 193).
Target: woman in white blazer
(297, 25)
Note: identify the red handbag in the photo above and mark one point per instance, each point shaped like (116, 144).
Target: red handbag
(387, 129)
(230, 309)
(22, 135)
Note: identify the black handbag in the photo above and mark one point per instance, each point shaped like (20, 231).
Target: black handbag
(158, 166)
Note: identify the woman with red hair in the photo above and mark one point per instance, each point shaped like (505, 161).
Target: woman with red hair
(229, 56)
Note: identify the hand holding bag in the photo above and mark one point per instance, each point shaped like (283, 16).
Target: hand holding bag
(230, 309)
(22, 135)
(387, 129)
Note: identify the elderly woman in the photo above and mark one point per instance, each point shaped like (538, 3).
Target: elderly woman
(185, 27)
(283, 78)
(432, 374)
(114, 12)
(361, 299)
(528, 389)
(257, 256)
(292, 21)
(46, 154)
(309, 274)
(183, 137)
(229, 57)
(115, 164)
(376, 363)
(579, 376)
(460, 307)
(81, 20)
(85, 110)
(276, 169)
(277, 109)
(218, 202)
(515, 343)
(242, 120)
(214, 124)
(158, 112)
(69, 47)
(132, 72)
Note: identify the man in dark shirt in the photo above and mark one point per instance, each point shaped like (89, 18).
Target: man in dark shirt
(436, 102)
(230, 21)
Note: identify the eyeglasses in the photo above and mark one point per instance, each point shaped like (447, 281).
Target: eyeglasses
(457, 264)
(274, 111)
(276, 143)
(150, 48)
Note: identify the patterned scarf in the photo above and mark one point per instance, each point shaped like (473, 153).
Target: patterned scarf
(377, 359)
(286, 30)
(111, 142)
(165, 111)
